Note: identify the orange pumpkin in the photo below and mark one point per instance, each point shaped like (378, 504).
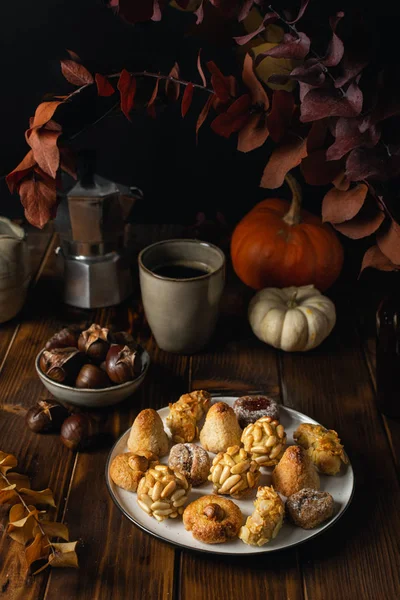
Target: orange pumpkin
(277, 244)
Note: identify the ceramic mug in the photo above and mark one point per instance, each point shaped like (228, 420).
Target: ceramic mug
(181, 282)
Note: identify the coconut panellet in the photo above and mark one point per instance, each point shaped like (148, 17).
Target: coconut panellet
(221, 429)
(147, 434)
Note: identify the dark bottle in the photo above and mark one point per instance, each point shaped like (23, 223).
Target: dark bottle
(388, 354)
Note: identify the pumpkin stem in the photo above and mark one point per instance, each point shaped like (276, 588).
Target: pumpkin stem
(292, 302)
(293, 216)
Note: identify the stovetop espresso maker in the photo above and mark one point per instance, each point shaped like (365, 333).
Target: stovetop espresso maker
(93, 224)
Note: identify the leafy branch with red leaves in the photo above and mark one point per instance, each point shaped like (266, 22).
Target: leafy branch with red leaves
(337, 125)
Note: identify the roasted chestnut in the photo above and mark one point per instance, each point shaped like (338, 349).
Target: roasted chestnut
(122, 363)
(65, 338)
(92, 377)
(61, 364)
(94, 342)
(124, 338)
(45, 416)
(78, 432)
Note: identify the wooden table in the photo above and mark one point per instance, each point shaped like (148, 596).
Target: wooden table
(357, 558)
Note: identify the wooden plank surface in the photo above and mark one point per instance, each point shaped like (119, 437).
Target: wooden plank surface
(38, 242)
(359, 557)
(236, 361)
(42, 457)
(117, 559)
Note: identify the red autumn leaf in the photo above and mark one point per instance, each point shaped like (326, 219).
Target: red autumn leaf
(187, 98)
(348, 136)
(367, 221)
(104, 87)
(317, 135)
(341, 182)
(204, 112)
(200, 70)
(74, 56)
(199, 13)
(172, 88)
(363, 163)
(336, 47)
(268, 18)
(339, 206)
(220, 84)
(317, 170)
(291, 47)
(127, 89)
(257, 92)
(234, 118)
(377, 260)
(245, 9)
(312, 74)
(352, 63)
(157, 15)
(283, 159)
(151, 109)
(44, 113)
(254, 133)
(75, 73)
(39, 199)
(321, 102)
(302, 10)
(304, 89)
(45, 149)
(281, 114)
(25, 166)
(389, 242)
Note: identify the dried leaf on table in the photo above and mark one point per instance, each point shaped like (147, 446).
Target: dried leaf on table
(283, 159)
(75, 73)
(37, 552)
(187, 99)
(15, 479)
(281, 114)
(173, 88)
(22, 524)
(25, 166)
(127, 88)
(339, 206)
(7, 461)
(38, 497)
(45, 149)
(377, 260)
(64, 555)
(104, 87)
(53, 529)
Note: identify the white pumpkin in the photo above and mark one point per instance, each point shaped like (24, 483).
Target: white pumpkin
(292, 318)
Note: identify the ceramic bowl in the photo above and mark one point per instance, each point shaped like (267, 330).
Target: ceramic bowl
(94, 398)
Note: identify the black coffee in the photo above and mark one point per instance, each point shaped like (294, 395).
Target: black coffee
(181, 270)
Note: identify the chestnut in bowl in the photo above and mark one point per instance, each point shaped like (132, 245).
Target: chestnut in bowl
(96, 397)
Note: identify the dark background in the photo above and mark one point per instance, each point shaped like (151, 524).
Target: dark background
(160, 156)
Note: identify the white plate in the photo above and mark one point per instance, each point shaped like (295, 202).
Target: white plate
(172, 530)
